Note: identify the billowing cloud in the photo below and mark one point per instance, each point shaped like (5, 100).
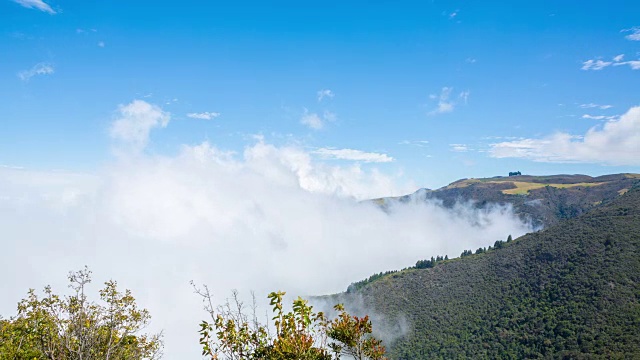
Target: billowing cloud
(270, 218)
(617, 142)
(204, 115)
(36, 4)
(134, 123)
(355, 155)
(38, 69)
(325, 93)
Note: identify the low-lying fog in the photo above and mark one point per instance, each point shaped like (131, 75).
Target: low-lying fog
(271, 218)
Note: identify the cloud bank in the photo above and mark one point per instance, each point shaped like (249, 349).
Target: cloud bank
(270, 218)
(617, 142)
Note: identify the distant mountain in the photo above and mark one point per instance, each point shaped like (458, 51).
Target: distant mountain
(543, 200)
(571, 291)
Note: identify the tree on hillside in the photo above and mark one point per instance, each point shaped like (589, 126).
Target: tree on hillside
(74, 328)
(300, 334)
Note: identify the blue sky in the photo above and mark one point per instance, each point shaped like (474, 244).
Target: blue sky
(200, 136)
(434, 91)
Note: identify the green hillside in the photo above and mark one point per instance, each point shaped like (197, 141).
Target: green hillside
(571, 291)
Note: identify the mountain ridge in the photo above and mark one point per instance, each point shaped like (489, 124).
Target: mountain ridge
(542, 200)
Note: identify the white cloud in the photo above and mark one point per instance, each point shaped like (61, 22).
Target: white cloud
(135, 121)
(204, 115)
(355, 155)
(617, 142)
(635, 33)
(459, 147)
(618, 58)
(454, 14)
(592, 105)
(38, 69)
(36, 4)
(325, 93)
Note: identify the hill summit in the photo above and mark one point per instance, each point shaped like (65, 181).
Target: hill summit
(542, 200)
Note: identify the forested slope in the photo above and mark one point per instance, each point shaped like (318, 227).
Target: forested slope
(570, 291)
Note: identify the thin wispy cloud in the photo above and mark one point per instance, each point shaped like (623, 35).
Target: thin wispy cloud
(617, 142)
(634, 33)
(633, 64)
(459, 147)
(353, 155)
(101, 44)
(598, 117)
(592, 106)
(316, 121)
(418, 143)
(38, 69)
(445, 103)
(204, 115)
(598, 64)
(329, 116)
(325, 93)
(464, 96)
(36, 4)
(312, 120)
(595, 64)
